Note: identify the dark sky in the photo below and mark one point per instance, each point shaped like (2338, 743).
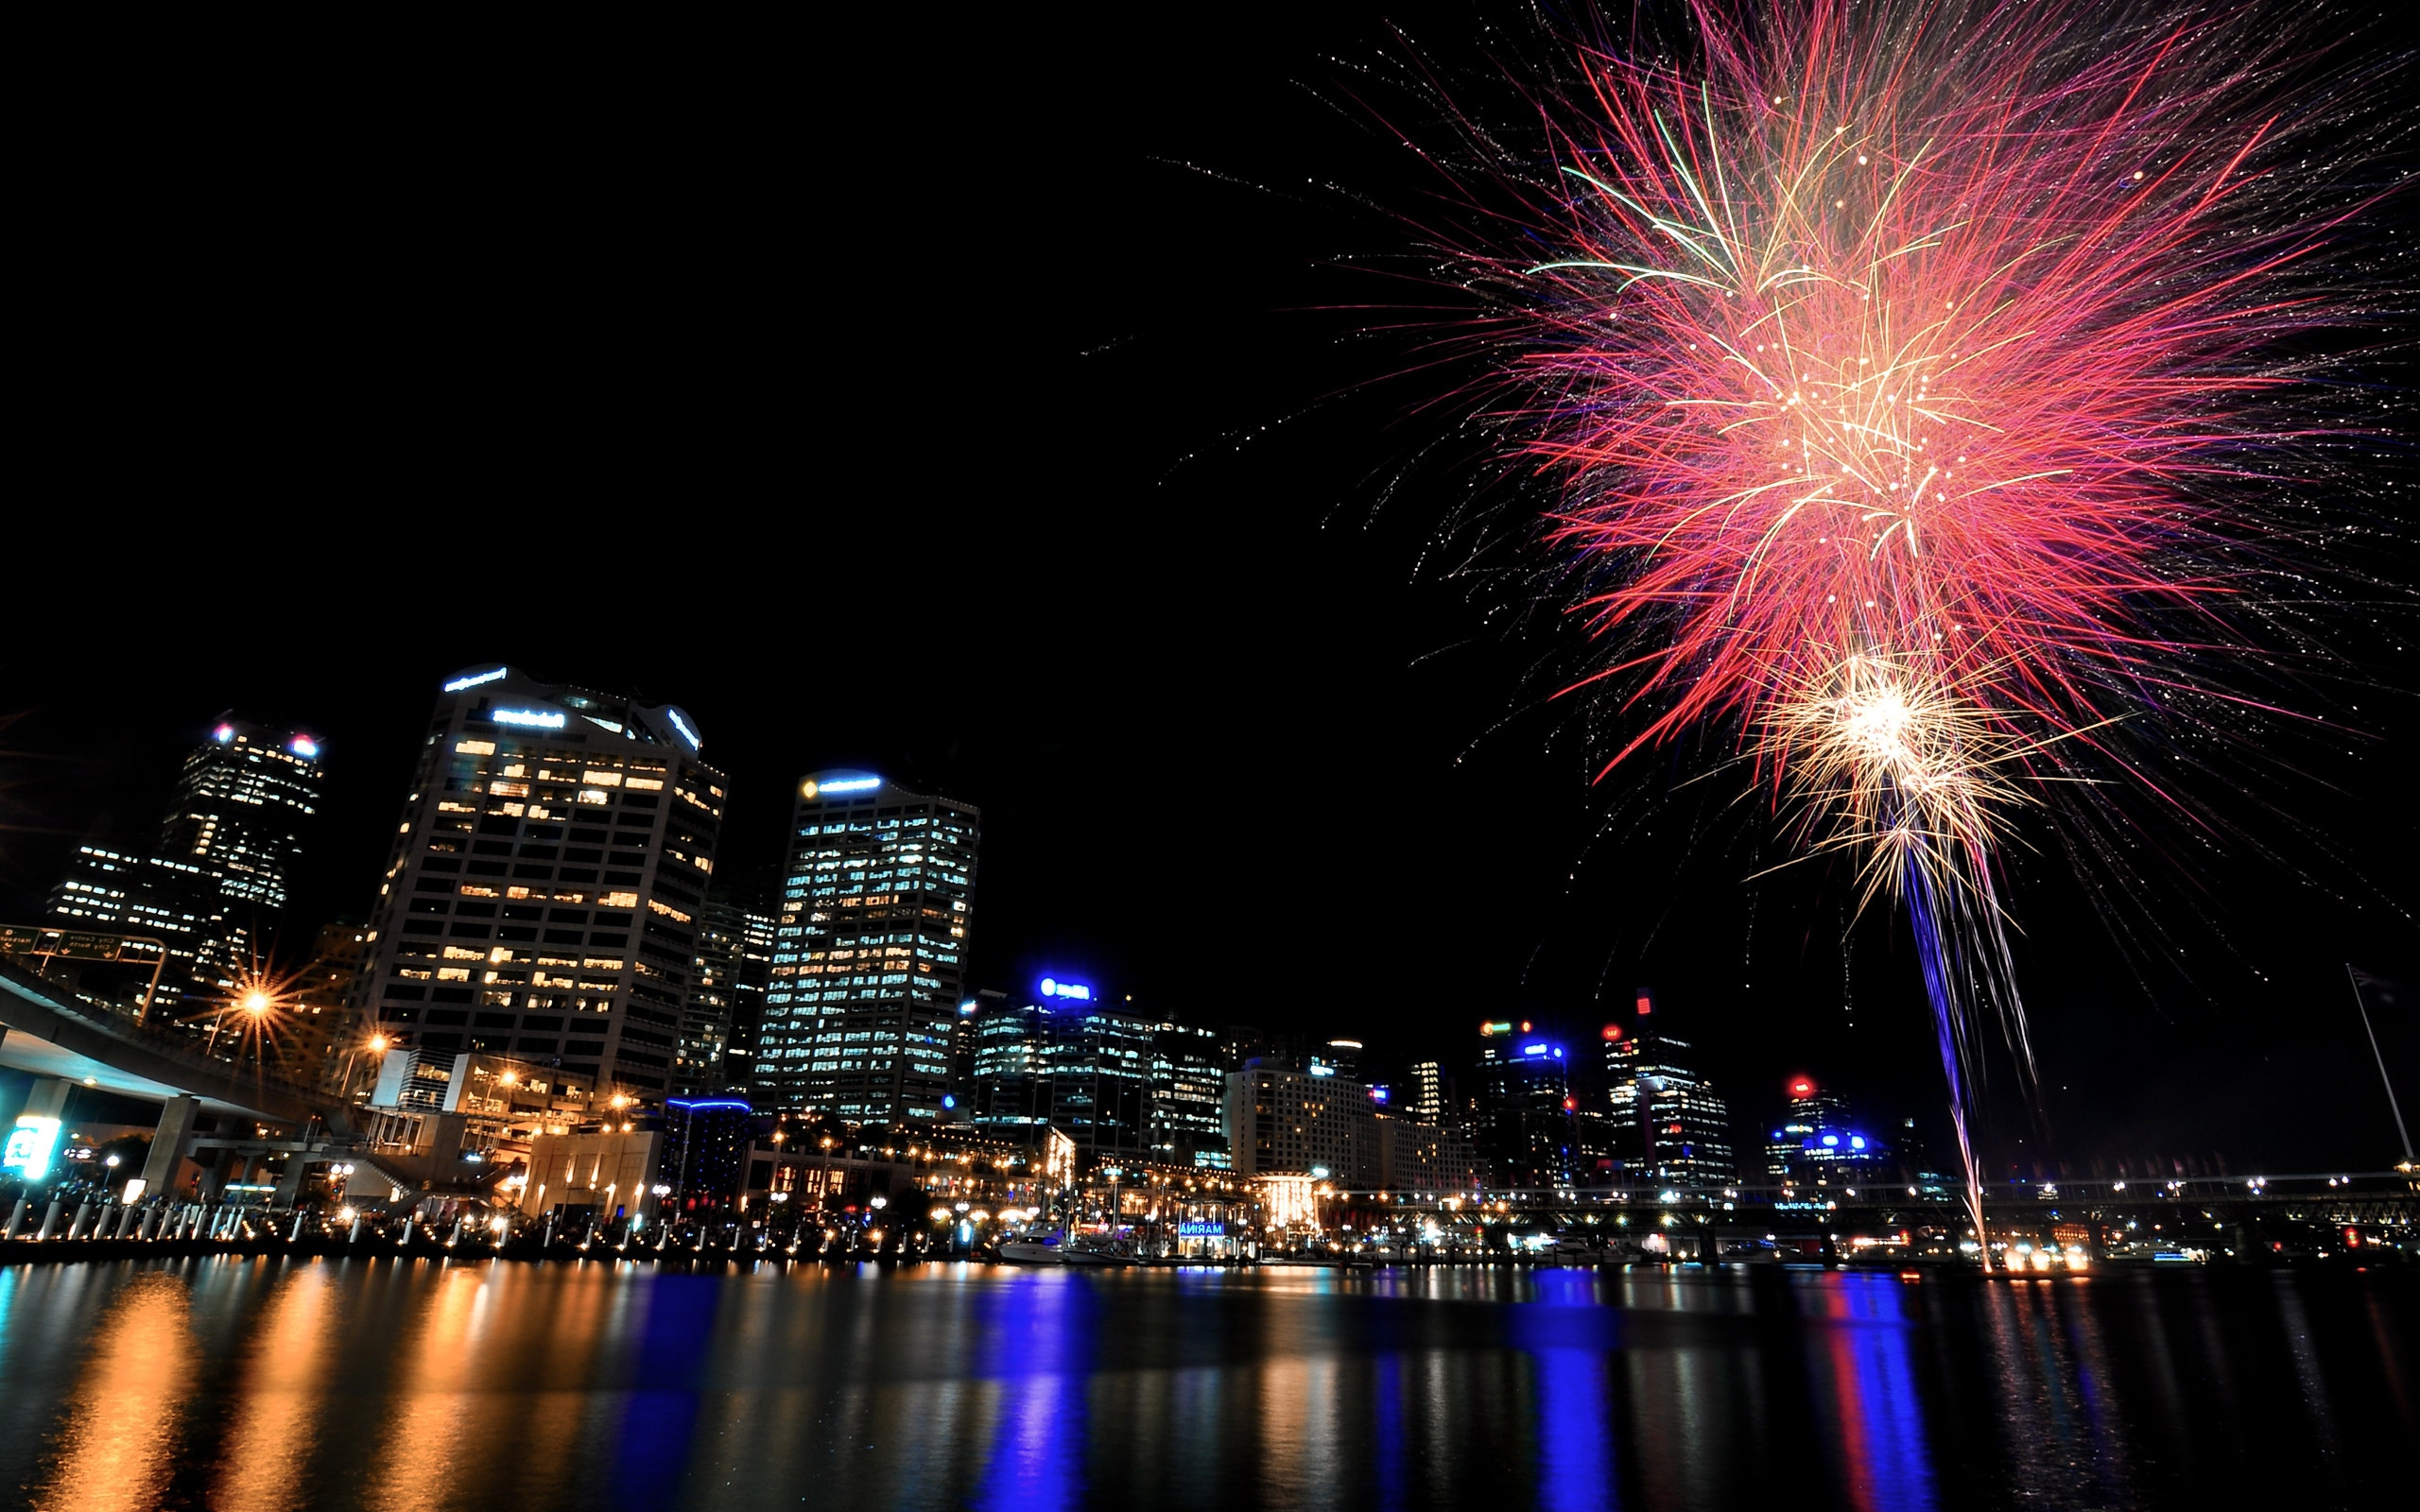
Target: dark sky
(987, 408)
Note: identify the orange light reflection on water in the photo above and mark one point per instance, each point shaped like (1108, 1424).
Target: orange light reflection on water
(276, 1418)
(114, 1451)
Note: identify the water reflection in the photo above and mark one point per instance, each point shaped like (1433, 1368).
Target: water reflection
(113, 1450)
(278, 1406)
(262, 1385)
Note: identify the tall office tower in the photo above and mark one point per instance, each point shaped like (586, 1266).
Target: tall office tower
(1062, 1060)
(869, 951)
(115, 893)
(1667, 1123)
(1818, 1138)
(241, 804)
(1343, 1057)
(543, 895)
(757, 922)
(964, 1046)
(731, 931)
(1424, 1093)
(211, 891)
(1525, 1111)
(1188, 1096)
(1284, 1122)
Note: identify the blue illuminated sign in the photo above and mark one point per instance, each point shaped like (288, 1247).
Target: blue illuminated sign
(1856, 1141)
(30, 1144)
(681, 724)
(474, 680)
(710, 1102)
(305, 748)
(1830, 1139)
(1533, 1050)
(812, 788)
(949, 1100)
(1378, 1095)
(1201, 1230)
(1052, 988)
(223, 733)
(542, 718)
(1321, 1069)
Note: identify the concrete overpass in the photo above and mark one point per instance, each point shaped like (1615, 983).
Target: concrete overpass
(65, 1042)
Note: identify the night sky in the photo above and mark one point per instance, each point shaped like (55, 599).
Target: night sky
(1011, 433)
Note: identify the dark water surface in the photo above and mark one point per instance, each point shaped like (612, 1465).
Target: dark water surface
(269, 1383)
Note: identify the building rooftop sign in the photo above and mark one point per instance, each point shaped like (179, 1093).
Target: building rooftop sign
(473, 680)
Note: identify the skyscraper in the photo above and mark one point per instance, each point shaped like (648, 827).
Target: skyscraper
(1524, 1108)
(212, 889)
(1819, 1138)
(240, 806)
(1188, 1096)
(542, 898)
(726, 998)
(1667, 1123)
(869, 951)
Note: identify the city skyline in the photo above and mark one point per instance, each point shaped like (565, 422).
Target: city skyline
(1397, 1047)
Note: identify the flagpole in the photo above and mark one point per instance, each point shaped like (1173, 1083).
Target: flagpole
(2383, 1079)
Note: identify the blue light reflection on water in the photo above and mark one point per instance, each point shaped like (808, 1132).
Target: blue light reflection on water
(1572, 1350)
(344, 1385)
(1863, 1372)
(1033, 1351)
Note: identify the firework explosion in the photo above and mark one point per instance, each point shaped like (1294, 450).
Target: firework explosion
(1909, 368)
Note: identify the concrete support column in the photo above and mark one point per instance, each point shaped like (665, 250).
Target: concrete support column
(169, 1142)
(83, 1211)
(289, 1186)
(16, 1219)
(47, 1098)
(49, 1223)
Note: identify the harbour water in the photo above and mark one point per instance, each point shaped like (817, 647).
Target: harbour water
(335, 1384)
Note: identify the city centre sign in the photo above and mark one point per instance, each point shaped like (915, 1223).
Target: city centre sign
(1054, 989)
(542, 718)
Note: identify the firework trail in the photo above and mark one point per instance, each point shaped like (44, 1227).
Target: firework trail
(1912, 372)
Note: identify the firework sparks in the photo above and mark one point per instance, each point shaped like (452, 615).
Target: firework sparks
(1900, 361)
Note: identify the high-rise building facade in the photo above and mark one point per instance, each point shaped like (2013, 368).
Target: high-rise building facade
(1525, 1107)
(1424, 1093)
(242, 802)
(542, 896)
(211, 891)
(869, 951)
(1667, 1123)
(1284, 1122)
(1819, 1138)
(1188, 1096)
(726, 997)
(118, 893)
